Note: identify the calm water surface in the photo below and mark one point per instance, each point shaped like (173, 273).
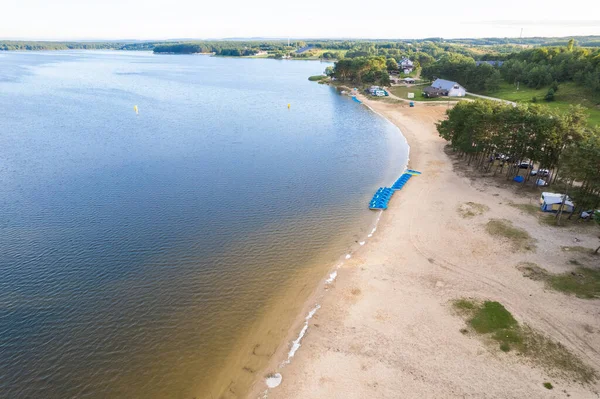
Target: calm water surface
(137, 251)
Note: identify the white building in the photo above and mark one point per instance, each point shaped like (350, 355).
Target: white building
(406, 65)
(450, 89)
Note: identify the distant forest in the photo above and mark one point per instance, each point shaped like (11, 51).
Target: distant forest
(498, 45)
(536, 62)
(10, 45)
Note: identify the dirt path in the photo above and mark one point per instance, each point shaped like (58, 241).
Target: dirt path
(493, 99)
(386, 329)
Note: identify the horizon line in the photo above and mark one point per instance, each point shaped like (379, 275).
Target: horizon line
(258, 38)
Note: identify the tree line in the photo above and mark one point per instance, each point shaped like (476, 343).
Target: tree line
(536, 68)
(225, 48)
(541, 67)
(423, 54)
(362, 70)
(497, 137)
(464, 70)
(424, 51)
(9, 45)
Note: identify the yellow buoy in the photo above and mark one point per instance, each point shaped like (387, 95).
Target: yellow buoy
(289, 105)
(135, 108)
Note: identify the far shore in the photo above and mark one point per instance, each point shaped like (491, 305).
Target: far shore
(386, 327)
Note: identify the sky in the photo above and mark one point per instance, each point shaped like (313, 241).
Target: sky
(385, 19)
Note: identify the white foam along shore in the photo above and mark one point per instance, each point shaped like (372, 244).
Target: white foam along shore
(296, 342)
(275, 379)
(332, 277)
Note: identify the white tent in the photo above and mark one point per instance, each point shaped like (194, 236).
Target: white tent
(551, 202)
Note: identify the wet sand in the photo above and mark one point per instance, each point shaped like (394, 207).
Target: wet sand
(385, 327)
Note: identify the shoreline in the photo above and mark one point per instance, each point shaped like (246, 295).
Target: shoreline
(385, 326)
(271, 376)
(280, 341)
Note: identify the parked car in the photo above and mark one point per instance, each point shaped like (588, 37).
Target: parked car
(540, 172)
(524, 165)
(587, 215)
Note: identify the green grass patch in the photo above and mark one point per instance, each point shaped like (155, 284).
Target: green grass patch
(583, 282)
(568, 94)
(317, 78)
(465, 304)
(519, 238)
(554, 357)
(317, 53)
(472, 209)
(548, 385)
(492, 317)
(385, 100)
(551, 220)
(548, 219)
(493, 321)
(402, 92)
(533, 271)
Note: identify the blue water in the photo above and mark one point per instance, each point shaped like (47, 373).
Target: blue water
(136, 250)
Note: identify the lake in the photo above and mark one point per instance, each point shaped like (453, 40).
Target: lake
(149, 255)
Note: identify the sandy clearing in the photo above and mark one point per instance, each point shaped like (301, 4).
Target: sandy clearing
(385, 328)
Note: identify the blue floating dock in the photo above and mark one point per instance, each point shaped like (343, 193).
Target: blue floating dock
(384, 194)
(401, 181)
(381, 198)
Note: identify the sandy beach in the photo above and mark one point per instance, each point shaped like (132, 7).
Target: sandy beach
(386, 327)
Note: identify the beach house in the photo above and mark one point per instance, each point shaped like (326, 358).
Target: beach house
(406, 65)
(449, 88)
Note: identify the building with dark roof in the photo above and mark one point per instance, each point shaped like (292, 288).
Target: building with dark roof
(432, 92)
